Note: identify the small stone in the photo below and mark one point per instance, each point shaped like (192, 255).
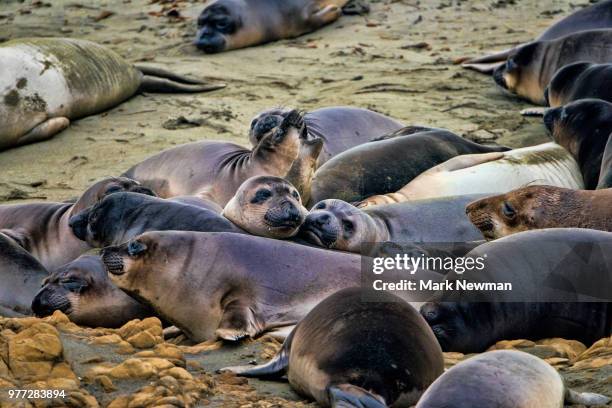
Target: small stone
(178, 373)
(106, 383)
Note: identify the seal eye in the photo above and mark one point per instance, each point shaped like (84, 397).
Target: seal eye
(73, 285)
(347, 226)
(261, 196)
(508, 210)
(511, 65)
(320, 206)
(222, 24)
(136, 248)
(295, 195)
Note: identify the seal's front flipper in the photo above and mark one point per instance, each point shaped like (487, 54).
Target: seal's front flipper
(534, 112)
(484, 68)
(238, 322)
(275, 368)
(405, 131)
(351, 396)
(326, 15)
(585, 398)
(45, 130)
(356, 8)
(155, 84)
(465, 161)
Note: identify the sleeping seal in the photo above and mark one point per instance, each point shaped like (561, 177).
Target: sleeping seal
(348, 352)
(490, 173)
(582, 80)
(47, 82)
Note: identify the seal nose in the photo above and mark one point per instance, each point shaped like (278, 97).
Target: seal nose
(549, 118)
(292, 213)
(322, 220)
(498, 77)
(78, 225)
(40, 305)
(209, 41)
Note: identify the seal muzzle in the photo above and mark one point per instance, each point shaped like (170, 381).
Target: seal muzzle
(113, 261)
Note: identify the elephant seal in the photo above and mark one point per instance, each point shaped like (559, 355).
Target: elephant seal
(582, 80)
(529, 68)
(339, 225)
(340, 127)
(21, 276)
(605, 174)
(560, 288)
(122, 216)
(593, 17)
(539, 207)
(267, 206)
(355, 353)
(43, 228)
(83, 291)
(230, 24)
(47, 82)
(490, 173)
(214, 170)
(504, 379)
(583, 128)
(386, 165)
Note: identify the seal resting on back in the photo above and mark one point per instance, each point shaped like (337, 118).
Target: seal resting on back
(504, 379)
(47, 82)
(230, 24)
(348, 352)
(539, 207)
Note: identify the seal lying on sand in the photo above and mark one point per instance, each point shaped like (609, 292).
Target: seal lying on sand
(21, 275)
(582, 80)
(539, 207)
(605, 175)
(340, 127)
(122, 216)
(229, 24)
(388, 164)
(43, 230)
(47, 82)
(593, 17)
(583, 128)
(83, 291)
(214, 170)
(490, 173)
(348, 352)
(504, 379)
(339, 225)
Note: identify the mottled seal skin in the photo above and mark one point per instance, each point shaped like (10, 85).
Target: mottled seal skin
(83, 291)
(43, 228)
(582, 128)
(228, 286)
(539, 207)
(593, 17)
(340, 127)
(348, 352)
(386, 165)
(122, 216)
(267, 206)
(605, 174)
(531, 313)
(489, 173)
(529, 68)
(214, 170)
(503, 379)
(339, 225)
(47, 82)
(582, 80)
(21, 275)
(230, 24)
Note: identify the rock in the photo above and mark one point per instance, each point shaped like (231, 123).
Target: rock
(143, 340)
(133, 368)
(33, 351)
(107, 339)
(178, 373)
(510, 344)
(569, 349)
(106, 383)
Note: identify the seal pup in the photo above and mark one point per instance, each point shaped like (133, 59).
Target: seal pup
(21, 275)
(490, 173)
(230, 24)
(47, 82)
(83, 291)
(504, 379)
(539, 207)
(340, 127)
(593, 17)
(43, 228)
(348, 352)
(605, 174)
(339, 225)
(583, 128)
(267, 206)
(529, 68)
(582, 80)
(122, 216)
(387, 164)
(214, 170)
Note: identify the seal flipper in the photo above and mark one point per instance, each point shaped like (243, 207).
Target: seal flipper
(483, 68)
(585, 398)
(239, 321)
(164, 73)
(326, 15)
(154, 84)
(45, 130)
(351, 396)
(537, 112)
(465, 161)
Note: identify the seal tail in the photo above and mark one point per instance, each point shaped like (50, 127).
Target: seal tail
(164, 73)
(585, 398)
(351, 396)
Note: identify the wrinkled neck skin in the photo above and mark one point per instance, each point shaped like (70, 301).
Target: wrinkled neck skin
(375, 231)
(274, 158)
(580, 209)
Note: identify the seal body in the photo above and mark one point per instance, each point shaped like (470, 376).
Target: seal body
(83, 291)
(583, 128)
(582, 80)
(347, 350)
(386, 165)
(21, 276)
(605, 175)
(540, 207)
(340, 127)
(490, 173)
(229, 24)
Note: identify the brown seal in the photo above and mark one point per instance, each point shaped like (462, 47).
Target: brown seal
(83, 291)
(267, 206)
(539, 207)
(43, 228)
